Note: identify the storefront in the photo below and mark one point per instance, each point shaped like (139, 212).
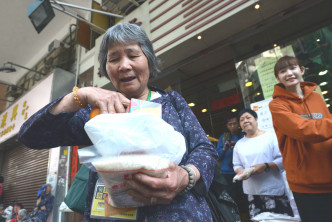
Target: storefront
(236, 72)
(208, 49)
(26, 170)
(314, 50)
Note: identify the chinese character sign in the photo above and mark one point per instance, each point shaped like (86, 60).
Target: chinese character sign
(12, 118)
(264, 115)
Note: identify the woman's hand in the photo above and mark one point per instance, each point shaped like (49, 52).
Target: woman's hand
(107, 101)
(240, 172)
(38, 200)
(258, 168)
(151, 190)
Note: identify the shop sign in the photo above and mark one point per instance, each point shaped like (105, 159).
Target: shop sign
(225, 102)
(265, 70)
(264, 115)
(12, 118)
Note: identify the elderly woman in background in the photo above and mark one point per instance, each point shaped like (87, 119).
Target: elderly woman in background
(22, 215)
(44, 205)
(259, 150)
(127, 58)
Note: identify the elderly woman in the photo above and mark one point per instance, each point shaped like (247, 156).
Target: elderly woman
(127, 58)
(259, 150)
(22, 215)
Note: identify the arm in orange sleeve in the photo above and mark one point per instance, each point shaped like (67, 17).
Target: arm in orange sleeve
(297, 127)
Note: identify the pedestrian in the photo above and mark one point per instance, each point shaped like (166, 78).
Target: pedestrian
(258, 150)
(303, 125)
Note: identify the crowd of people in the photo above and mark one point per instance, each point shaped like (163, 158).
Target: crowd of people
(15, 212)
(302, 145)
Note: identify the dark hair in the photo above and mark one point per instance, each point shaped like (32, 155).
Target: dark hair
(229, 116)
(251, 112)
(284, 62)
(126, 33)
(17, 204)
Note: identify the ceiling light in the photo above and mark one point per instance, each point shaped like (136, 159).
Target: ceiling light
(323, 83)
(328, 105)
(322, 73)
(275, 45)
(7, 69)
(234, 110)
(318, 40)
(325, 92)
(191, 104)
(199, 37)
(248, 84)
(40, 13)
(327, 99)
(257, 6)
(258, 93)
(204, 110)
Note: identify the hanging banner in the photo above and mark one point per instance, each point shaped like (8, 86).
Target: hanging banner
(265, 71)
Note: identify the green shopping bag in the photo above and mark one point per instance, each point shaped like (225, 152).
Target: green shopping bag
(76, 196)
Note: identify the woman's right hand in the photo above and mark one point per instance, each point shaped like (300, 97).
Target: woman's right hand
(106, 100)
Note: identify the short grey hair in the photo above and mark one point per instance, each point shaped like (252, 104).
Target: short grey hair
(23, 213)
(126, 33)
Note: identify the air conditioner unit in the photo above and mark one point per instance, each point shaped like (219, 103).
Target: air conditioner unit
(56, 44)
(13, 91)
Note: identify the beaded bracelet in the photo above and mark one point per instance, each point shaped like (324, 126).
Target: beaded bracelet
(76, 99)
(195, 174)
(191, 180)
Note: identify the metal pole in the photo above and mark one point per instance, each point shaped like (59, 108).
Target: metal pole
(87, 9)
(78, 60)
(11, 63)
(79, 18)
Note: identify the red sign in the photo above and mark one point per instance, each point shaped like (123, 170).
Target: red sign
(224, 102)
(74, 162)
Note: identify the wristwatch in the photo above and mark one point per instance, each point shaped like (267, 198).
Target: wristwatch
(267, 167)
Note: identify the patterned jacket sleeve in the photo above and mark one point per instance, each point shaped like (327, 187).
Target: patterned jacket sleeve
(45, 130)
(202, 152)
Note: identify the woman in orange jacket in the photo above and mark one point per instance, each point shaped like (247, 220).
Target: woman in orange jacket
(303, 125)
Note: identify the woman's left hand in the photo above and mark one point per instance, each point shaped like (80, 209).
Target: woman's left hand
(259, 168)
(152, 190)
